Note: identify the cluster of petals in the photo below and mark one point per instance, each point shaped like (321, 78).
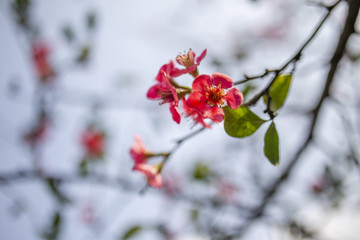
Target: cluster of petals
(140, 154)
(189, 61)
(164, 90)
(211, 93)
(40, 53)
(93, 141)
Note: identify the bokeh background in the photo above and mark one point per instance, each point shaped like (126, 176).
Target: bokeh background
(105, 55)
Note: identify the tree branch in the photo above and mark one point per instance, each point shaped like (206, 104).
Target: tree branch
(258, 211)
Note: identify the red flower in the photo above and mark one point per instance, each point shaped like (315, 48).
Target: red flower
(93, 142)
(40, 53)
(140, 154)
(165, 92)
(172, 71)
(151, 172)
(138, 151)
(189, 61)
(209, 95)
(214, 114)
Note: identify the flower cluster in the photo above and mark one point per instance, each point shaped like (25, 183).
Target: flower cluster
(140, 155)
(207, 96)
(93, 141)
(203, 100)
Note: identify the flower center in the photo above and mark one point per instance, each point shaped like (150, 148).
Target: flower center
(186, 59)
(215, 96)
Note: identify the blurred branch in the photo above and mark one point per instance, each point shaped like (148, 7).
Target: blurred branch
(296, 57)
(6, 178)
(258, 211)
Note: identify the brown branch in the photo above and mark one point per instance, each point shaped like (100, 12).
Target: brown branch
(273, 188)
(295, 58)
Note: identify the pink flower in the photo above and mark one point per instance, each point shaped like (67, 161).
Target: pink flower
(209, 95)
(151, 172)
(214, 114)
(138, 151)
(189, 61)
(165, 92)
(172, 71)
(140, 154)
(40, 53)
(93, 141)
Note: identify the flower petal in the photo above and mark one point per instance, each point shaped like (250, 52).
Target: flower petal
(138, 151)
(221, 79)
(201, 82)
(154, 92)
(155, 181)
(174, 109)
(175, 72)
(215, 114)
(234, 98)
(154, 178)
(201, 57)
(146, 169)
(195, 114)
(198, 101)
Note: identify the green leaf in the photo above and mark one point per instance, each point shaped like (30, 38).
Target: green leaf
(131, 232)
(241, 122)
(53, 230)
(271, 146)
(202, 172)
(278, 92)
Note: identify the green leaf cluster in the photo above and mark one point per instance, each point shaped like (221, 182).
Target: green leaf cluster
(242, 122)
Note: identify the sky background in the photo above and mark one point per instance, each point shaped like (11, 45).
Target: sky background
(132, 40)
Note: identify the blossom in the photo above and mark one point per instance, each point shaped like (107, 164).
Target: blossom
(138, 151)
(93, 142)
(165, 92)
(209, 95)
(189, 61)
(140, 154)
(151, 172)
(214, 114)
(40, 52)
(172, 71)
(195, 114)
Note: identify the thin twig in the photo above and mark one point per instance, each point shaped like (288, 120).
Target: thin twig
(273, 188)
